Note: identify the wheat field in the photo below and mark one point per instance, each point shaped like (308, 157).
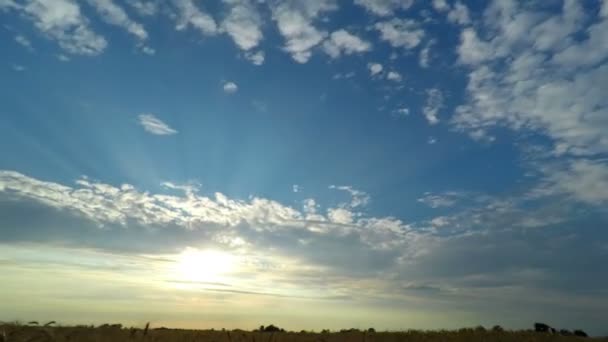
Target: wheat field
(14, 332)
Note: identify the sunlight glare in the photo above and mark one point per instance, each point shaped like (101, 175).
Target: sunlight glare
(204, 265)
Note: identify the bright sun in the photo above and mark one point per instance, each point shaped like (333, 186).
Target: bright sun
(204, 265)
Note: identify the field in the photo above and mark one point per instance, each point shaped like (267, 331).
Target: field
(31, 333)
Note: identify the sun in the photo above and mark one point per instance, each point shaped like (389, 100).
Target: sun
(203, 265)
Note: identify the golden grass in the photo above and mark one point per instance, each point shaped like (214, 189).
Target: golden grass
(32, 333)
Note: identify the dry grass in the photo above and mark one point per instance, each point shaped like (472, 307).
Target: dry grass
(33, 333)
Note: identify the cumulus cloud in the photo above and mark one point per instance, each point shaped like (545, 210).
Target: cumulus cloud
(342, 42)
(145, 7)
(243, 24)
(400, 33)
(440, 5)
(424, 57)
(434, 103)
(384, 7)
(113, 14)
(375, 68)
(358, 198)
(230, 87)
(459, 14)
(257, 58)
(394, 76)
(535, 73)
(63, 22)
(188, 14)
(295, 21)
(154, 125)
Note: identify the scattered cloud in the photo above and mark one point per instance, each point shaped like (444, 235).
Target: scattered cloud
(434, 103)
(424, 57)
(400, 33)
(434, 201)
(23, 41)
(401, 112)
(384, 7)
(188, 14)
(230, 87)
(295, 188)
(358, 198)
(440, 5)
(459, 14)
(431, 140)
(295, 21)
(342, 42)
(113, 14)
(154, 125)
(243, 24)
(375, 68)
(394, 76)
(63, 22)
(539, 72)
(257, 58)
(145, 7)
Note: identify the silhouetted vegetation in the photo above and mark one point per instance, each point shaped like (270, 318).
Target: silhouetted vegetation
(13, 332)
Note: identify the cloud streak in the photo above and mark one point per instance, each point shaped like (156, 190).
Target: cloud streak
(154, 125)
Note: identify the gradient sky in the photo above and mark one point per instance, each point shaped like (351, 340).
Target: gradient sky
(308, 163)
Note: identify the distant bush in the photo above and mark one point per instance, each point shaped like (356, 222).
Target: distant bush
(270, 328)
(497, 328)
(541, 327)
(580, 333)
(371, 330)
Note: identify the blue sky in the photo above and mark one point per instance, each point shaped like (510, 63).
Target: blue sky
(431, 164)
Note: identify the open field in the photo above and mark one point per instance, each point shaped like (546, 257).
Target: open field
(18, 333)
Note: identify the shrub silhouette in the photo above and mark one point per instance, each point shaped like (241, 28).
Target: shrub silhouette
(271, 328)
(541, 327)
(580, 333)
(497, 328)
(371, 330)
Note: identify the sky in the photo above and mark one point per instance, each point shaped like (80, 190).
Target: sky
(308, 163)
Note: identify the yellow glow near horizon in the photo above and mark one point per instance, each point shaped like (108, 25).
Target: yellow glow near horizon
(204, 265)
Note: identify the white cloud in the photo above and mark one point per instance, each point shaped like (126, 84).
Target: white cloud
(459, 14)
(384, 7)
(188, 14)
(424, 57)
(295, 188)
(295, 19)
(155, 125)
(340, 215)
(375, 68)
(431, 140)
(63, 22)
(472, 50)
(343, 42)
(230, 87)
(116, 15)
(23, 41)
(257, 58)
(243, 24)
(440, 5)
(528, 76)
(405, 33)
(394, 76)
(434, 201)
(145, 7)
(584, 179)
(403, 111)
(358, 198)
(434, 103)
